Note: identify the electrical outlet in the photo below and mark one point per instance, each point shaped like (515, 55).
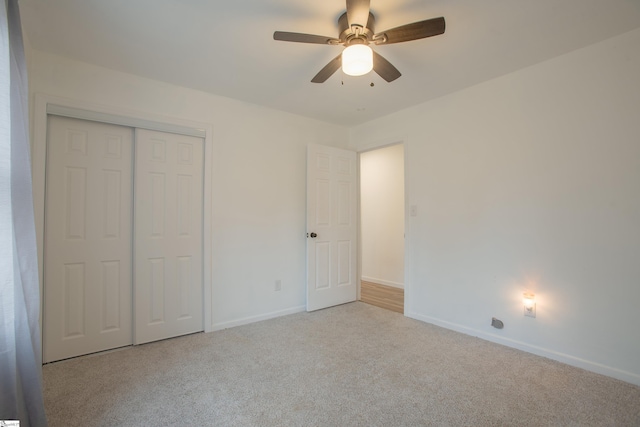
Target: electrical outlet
(530, 310)
(278, 286)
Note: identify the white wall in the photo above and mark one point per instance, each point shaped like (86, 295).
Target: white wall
(530, 182)
(259, 174)
(382, 215)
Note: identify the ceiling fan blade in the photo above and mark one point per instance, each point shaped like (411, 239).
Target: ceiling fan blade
(328, 70)
(415, 31)
(358, 12)
(384, 68)
(303, 38)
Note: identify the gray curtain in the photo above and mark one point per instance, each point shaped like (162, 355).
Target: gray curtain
(20, 344)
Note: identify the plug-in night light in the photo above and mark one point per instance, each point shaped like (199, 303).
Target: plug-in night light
(529, 301)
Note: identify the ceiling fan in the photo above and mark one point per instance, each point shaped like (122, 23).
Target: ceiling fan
(356, 32)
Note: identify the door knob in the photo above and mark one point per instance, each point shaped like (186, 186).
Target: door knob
(314, 235)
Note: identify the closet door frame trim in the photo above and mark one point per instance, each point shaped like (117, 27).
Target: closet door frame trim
(45, 105)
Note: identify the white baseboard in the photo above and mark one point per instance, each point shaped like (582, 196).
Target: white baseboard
(588, 365)
(383, 282)
(258, 318)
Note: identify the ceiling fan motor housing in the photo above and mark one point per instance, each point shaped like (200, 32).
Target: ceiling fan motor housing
(356, 34)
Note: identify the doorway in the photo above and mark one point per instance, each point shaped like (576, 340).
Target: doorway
(382, 227)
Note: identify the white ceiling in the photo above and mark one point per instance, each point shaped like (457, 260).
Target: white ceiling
(227, 48)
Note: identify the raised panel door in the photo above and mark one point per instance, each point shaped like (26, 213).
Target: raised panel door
(168, 235)
(88, 226)
(331, 227)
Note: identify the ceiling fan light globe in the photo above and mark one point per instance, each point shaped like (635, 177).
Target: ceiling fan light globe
(357, 60)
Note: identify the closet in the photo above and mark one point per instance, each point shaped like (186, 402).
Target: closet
(123, 236)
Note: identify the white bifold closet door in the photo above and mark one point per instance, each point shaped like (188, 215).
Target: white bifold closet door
(120, 267)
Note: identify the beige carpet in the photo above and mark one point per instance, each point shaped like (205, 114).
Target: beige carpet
(352, 365)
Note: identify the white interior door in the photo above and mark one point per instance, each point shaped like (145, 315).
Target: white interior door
(87, 262)
(168, 235)
(331, 227)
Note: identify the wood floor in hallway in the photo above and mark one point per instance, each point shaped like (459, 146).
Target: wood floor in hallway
(382, 296)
